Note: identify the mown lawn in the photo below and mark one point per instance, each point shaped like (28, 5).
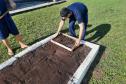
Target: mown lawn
(108, 21)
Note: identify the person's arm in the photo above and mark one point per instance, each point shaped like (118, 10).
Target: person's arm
(77, 42)
(1, 17)
(12, 4)
(81, 25)
(3, 14)
(60, 26)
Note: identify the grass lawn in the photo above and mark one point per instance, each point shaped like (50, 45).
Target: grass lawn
(108, 29)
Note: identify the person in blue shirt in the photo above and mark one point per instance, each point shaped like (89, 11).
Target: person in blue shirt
(75, 12)
(7, 26)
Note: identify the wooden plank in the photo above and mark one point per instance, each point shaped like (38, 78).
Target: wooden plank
(67, 48)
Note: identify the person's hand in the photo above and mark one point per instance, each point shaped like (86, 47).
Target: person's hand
(77, 43)
(12, 4)
(57, 33)
(1, 16)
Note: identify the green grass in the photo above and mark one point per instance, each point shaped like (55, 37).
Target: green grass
(108, 29)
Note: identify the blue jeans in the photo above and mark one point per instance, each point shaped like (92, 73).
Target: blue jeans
(72, 27)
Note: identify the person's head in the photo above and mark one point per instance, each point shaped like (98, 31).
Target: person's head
(65, 13)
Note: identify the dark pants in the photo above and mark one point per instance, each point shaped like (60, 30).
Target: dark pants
(7, 25)
(72, 28)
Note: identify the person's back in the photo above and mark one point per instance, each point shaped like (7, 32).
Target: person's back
(78, 6)
(79, 10)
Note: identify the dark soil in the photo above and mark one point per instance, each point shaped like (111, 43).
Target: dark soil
(48, 64)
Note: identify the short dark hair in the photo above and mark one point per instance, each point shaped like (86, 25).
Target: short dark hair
(64, 12)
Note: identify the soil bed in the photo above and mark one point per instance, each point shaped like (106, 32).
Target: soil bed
(48, 64)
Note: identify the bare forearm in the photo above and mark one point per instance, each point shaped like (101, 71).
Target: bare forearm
(60, 25)
(81, 25)
(3, 14)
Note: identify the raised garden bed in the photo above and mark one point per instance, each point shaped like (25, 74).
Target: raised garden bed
(46, 64)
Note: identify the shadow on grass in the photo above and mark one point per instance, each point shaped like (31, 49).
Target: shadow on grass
(101, 31)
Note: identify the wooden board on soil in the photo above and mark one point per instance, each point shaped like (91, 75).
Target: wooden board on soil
(48, 64)
(64, 40)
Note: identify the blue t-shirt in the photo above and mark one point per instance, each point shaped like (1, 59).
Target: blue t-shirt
(79, 12)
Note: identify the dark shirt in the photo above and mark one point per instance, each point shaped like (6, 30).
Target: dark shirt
(79, 12)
